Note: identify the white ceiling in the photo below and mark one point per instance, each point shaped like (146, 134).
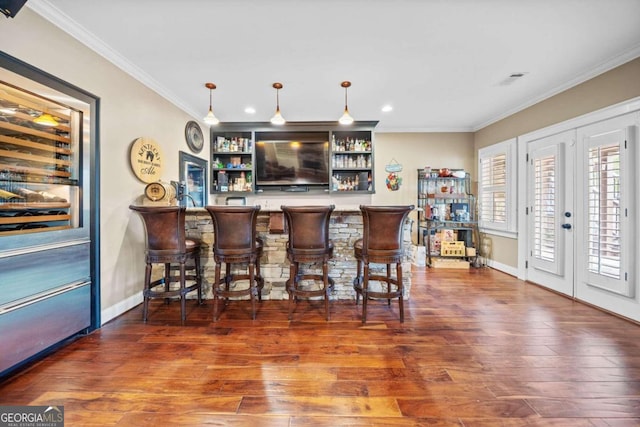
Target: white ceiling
(439, 63)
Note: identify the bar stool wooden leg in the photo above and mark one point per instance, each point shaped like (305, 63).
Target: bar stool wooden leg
(167, 281)
(216, 296)
(228, 278)
(400, 290)
(253, 291)
(358, 280)
(291, 286)
(183, 295)
(145, 293)
(389, 282)
(259, 280)
(325, 281)
(198, 278)
(365, 290)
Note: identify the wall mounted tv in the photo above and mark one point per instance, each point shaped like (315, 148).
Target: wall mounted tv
(292, 164)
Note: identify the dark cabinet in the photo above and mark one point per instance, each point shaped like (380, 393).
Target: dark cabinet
(232, 162)
(297, 156)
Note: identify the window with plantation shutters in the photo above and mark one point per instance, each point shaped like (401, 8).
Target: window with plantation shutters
(544, 208)
(604, 220)
(608, 191)
(496, 186)
(494, 195)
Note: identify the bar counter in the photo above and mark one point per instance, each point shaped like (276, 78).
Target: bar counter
(345, 228)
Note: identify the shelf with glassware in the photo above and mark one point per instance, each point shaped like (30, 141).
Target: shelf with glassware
(232, 162)
(446, 216)
(38, 187)
(352, 161)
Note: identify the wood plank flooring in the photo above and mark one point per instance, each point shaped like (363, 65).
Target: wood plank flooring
(477, 348)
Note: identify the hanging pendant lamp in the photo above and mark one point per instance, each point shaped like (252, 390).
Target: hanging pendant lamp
(210, 118)
(346, 118)
(277, 118)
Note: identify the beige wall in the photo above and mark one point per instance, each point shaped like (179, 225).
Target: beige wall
(620, 84)
(128, 110)
(414, 151)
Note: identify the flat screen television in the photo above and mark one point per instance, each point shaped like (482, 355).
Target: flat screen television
(292, 163)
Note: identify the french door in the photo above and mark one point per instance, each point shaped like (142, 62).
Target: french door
(550, 212)
(608, 197)
(582, 213)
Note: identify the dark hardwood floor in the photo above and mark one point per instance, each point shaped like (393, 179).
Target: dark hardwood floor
(478, 348)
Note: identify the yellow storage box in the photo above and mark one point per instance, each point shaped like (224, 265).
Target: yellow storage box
(452, 249)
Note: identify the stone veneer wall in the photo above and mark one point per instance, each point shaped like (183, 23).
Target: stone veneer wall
(345, 228)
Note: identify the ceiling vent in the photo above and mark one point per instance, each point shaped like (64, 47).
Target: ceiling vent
(512, 78)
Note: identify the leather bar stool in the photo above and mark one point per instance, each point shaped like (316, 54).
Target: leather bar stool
(308, 243)
(166, 243)
(381, 243)
(236, 242)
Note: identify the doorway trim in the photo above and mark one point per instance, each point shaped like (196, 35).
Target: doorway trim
(615, 110)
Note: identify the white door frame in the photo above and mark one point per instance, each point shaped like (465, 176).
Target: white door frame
(523, 140)
(557, 271)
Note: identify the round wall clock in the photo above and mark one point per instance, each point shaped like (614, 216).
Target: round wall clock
(194, 137)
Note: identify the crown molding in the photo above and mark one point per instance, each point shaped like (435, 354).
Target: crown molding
(389, 129)
(63, 21)
(49, 12)
(608, 65)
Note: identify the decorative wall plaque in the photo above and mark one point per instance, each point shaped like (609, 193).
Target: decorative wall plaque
(147, 160)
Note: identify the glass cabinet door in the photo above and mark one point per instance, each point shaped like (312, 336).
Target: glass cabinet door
(40, 140)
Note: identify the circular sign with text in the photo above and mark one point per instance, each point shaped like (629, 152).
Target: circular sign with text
(147, 160)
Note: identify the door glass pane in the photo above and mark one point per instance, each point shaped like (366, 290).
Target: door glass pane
(603, 238)
(40, 140)
(544, 209)
(493, 202)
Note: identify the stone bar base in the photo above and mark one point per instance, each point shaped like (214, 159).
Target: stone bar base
(345, 229)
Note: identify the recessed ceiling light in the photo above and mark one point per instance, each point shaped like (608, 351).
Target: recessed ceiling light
(387, 108)
(250, 110)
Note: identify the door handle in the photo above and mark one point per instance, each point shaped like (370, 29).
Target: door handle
(566, 226)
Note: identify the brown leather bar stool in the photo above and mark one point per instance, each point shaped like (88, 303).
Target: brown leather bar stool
(236, 242)
(381, 243)
(166, 243)
(308, 243)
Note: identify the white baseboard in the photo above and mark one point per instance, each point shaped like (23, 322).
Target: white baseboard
(122, 307)
(513, 271)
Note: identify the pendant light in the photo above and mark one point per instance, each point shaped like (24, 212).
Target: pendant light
(210, 118)
(277, 118)
(346, 118)
(46, 119)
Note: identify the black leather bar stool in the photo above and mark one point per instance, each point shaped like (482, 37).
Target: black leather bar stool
(308, 243)
(236, 242)
(166, 243)
(381, 243)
